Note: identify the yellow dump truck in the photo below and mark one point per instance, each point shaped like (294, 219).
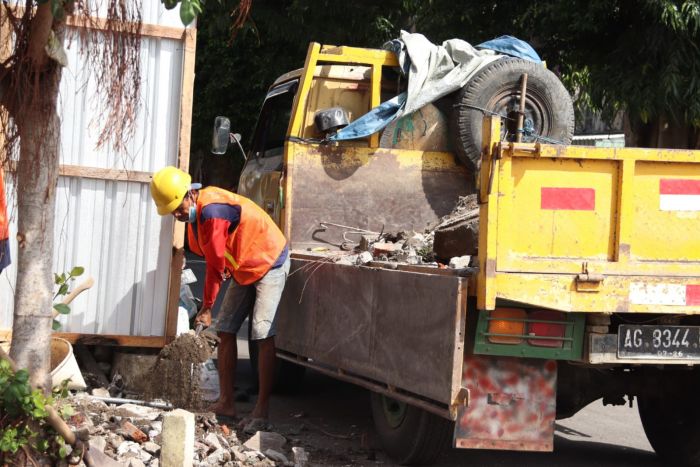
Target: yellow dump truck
(587, 285)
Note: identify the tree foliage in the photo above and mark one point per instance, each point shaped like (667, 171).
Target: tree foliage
(640, 56)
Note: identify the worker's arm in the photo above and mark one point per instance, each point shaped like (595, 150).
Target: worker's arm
(217, 221)
(213, 241)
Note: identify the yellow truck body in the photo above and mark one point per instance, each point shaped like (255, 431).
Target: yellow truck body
(587, 229)
(584, 243)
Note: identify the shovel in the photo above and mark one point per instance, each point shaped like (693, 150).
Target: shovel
(91, 457)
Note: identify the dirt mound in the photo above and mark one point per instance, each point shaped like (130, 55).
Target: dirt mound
(175, 376)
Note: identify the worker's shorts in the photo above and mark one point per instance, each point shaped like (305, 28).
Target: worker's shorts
(257, 301)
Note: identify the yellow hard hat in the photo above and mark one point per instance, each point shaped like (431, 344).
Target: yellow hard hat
(168, 188)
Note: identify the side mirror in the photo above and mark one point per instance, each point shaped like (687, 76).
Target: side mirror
(220, 137)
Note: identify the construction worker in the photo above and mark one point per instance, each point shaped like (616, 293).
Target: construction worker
(237, 239)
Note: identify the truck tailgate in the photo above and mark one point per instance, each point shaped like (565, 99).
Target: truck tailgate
(401, 329)
(577, 228)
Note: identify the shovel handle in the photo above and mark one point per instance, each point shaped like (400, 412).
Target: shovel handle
(86, 284)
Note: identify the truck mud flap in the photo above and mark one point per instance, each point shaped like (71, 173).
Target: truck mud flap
(512, 404)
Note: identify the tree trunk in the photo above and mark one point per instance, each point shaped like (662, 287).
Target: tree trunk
(37, 177)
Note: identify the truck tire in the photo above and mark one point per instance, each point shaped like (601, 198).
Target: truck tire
(409, 435)
(496, 88)
(671, 417)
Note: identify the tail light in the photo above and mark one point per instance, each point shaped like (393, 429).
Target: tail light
(546, 326)
(507, 326)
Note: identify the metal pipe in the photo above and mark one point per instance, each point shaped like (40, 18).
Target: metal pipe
(119, 400)
(521, 110)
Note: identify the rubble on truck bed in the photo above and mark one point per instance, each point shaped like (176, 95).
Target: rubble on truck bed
(450, 242)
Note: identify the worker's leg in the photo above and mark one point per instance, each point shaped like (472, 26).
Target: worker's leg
(227, 358)
(266, 373)
(268, 292)
(236, 306)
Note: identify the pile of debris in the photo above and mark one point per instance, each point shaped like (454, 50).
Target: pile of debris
(450, 242)
(133, 435)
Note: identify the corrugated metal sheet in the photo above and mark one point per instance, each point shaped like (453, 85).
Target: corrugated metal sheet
(111, 227)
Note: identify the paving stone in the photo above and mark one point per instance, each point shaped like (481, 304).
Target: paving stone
(264, 440)
(177, 448)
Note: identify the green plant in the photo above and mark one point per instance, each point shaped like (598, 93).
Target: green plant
(23, 414)
(63, 282)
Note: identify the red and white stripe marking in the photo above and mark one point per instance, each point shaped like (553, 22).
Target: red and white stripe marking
(676, 194)
(642, 293)
(569, 199)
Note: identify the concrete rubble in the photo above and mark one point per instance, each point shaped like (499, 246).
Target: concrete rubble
(135, 436)
(452, 240)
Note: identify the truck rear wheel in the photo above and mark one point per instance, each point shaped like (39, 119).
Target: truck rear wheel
(671, 417)
(549, 111)
(409, 435)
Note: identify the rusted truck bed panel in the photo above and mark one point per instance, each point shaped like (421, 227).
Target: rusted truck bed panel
(399, 328)
(372, 189)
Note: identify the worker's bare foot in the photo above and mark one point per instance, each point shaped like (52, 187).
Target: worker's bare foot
(258, 413)
(223, 408)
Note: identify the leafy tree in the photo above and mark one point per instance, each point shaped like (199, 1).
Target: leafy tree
(597, 48)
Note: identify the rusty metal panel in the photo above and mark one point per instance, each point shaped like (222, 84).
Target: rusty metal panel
(512, 404)
(372, 189)
(398, 328)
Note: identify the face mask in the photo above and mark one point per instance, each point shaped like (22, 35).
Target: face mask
(193, 214)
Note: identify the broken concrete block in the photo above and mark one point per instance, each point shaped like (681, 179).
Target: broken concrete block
(457, 239)
(137, 412)
(416, 241)
(128, 448)
(213, 441)
(151, 447)
(177, 447)
(460, 262)
(100, 392)
(98, 443)
(264, 440)
(218, 457)
(276, 456)
(136, 462)
(238, 454)
(364, 257)
(222, 440)
(300, 456)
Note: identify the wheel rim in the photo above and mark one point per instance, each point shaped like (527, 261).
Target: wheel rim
(537, 114)
(394, 411)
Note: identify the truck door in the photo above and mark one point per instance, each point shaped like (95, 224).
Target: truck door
(261, 176)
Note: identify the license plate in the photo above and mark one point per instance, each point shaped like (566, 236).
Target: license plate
(659, 342)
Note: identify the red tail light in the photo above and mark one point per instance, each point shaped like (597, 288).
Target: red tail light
(549, 329)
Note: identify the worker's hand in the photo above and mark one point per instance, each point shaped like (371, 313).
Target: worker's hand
(204, 317)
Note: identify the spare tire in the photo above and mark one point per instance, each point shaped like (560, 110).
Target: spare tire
(549, 111)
